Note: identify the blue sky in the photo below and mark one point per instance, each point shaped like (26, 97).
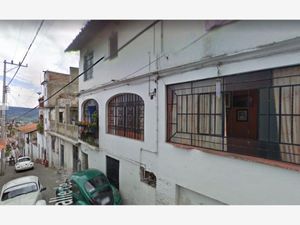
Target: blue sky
(46, 53)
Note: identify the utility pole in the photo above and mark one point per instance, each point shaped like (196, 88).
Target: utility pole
(3, 111)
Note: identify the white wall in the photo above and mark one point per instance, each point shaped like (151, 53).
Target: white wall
(224, 179)
(179, 42)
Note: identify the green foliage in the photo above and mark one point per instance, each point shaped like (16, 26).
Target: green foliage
(7, 150)
(95, 117)
(40, 127)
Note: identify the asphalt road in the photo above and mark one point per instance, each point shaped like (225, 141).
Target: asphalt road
(49, 178)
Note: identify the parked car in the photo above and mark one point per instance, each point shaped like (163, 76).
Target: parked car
(90, 187)
(22, 191)
(24, 163)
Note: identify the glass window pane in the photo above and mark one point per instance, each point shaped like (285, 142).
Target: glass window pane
(264, 101)
(286, 136)
(296, 130)
(263, 127)
(274, 128)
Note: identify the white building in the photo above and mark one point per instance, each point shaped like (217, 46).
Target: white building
(192, 112)
(27, 136)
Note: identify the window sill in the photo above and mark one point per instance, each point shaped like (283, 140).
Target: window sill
(284, 165)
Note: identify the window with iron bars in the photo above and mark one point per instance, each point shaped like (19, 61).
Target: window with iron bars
(113, 45)
(126, 116)
(256, 114)
(88, 62)
(53, 138)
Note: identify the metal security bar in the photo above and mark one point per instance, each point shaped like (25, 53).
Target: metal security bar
(126, 116)
(256, 114)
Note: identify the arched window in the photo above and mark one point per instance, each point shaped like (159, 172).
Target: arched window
(126, 116)
(90, 110)
(89, 128)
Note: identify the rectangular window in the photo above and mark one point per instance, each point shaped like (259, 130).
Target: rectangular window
(113, 45)
(147, 177)
(257, 114)
(53, 143)
(87, 63)
(61, 117)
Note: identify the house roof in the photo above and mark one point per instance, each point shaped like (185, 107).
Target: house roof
(28, 128)
(2, 144)
(86, 34)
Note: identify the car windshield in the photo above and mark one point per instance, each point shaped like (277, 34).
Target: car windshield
(103, 197)
(19, 190)
(92, 184)
(23, 159)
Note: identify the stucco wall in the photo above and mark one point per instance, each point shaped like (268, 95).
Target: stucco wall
(224, 179)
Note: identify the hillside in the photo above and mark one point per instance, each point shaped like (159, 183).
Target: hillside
(14, 112)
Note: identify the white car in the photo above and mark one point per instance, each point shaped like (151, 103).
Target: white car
(22, 191)
(24, 163)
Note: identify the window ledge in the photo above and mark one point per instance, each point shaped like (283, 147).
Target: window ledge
(284, 165)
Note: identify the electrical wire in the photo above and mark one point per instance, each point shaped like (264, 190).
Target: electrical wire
(51, 96)
(36, 34)
(129, 75)
(102, 58)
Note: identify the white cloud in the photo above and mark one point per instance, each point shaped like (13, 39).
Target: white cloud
(46, 53)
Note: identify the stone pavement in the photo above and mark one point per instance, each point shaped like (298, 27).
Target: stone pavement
(49, 177)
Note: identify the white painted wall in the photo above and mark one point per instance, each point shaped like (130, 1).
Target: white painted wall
(35, 152)
(68, 154)
(228, 180)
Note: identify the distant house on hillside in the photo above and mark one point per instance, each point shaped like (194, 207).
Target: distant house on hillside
(27, 140)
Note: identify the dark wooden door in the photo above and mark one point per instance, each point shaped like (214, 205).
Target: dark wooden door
(75, 159)
(242, 115)
(242, 122)
(62, 156)
(112, 171)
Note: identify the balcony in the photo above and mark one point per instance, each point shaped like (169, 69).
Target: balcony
(88, 132)
(68, 130)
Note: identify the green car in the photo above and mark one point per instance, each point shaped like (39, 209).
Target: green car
(90, 187)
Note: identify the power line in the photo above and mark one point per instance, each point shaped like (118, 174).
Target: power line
(37, 32)
(128, 75)
(51, 96)
(119, 49)
(105, 58)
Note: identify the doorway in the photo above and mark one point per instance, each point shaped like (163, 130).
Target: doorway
(85, 161)
(112, 171)
(75, 159)
(62, 156)
(241, 121)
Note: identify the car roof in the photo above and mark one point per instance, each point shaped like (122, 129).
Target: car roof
(22, 157)
(20, 180)
(86, 174)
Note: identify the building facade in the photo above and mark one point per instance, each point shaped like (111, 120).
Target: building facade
(192, 112)
(58, 117)
(27, 141)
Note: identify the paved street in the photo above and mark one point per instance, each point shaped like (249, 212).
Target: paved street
(49, 178)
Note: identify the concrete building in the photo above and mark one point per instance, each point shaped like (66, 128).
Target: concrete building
(58, 116)
(192, 112)
(27, 141)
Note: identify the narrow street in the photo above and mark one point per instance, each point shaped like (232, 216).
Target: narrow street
(49, 178)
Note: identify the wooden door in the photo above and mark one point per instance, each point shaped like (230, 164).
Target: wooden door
(242, 122)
